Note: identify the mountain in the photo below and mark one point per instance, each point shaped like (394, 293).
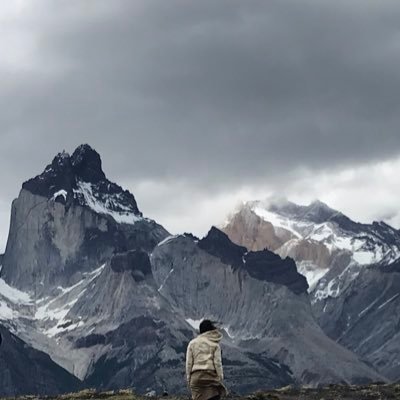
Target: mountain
(25, 370)
(352, 270)
(77, 283)
(68, 221)
(317, 237)
(260, 301)
(113, 298)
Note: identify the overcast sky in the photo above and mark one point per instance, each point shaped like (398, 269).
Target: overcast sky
(197, 105)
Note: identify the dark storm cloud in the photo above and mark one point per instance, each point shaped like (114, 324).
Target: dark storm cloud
(216, 91)
(213, 93)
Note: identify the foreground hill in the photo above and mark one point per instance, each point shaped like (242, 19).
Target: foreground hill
(333, 392)
(26, 370)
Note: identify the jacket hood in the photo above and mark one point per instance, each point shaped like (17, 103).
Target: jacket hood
(213, 336)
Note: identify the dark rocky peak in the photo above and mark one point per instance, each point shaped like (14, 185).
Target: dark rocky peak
(262, 265)
(384, 225)
(79, 179)
(347, 224)
(61, 161)
(58, 174)
(191, 236)
(386, 232)
(218, 244)
(318, 212)
(86, 163)
(267, 266)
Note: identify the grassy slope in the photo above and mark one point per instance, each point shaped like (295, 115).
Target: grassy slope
(333, 392)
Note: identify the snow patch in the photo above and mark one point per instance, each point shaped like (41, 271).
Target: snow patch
(334, 287)
(121, 217)
(276, 220)
(194, 323)
(88, 278)
(227, 330)
(165, 280)
(311, 272)
(364, 257)
(6, 313)
(167, 240)
(388, 301)
(368, 307)
(61, 192)
(14, 295)
(50, 311)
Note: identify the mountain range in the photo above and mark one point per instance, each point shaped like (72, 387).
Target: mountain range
(94, 294)
(353, 271)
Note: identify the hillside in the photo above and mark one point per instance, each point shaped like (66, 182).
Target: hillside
(332, 392)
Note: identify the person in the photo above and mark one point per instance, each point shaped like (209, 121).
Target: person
(204, 371)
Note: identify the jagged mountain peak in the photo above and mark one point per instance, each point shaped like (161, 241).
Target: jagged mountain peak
(218, 244)
(61, 158)
(87, 164)
(80, 179)
(262, 265)
(315, 235)
(317, 211)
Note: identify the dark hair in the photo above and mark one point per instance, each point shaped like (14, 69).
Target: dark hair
(206, 325)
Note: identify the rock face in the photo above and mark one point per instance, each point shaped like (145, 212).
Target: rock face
(68, 221)
(263, 314)
(25, 370)
(365, 317)
(77, 264)
(248, 229)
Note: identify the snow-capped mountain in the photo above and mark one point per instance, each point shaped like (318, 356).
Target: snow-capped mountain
(352, 270)
(80, 179)
(113, 298)
(66, 221)
(315, 236)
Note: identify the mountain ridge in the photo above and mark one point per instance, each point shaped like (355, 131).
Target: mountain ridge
(352, 269)
(112, 297)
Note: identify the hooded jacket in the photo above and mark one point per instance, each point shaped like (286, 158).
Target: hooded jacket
(204, 353)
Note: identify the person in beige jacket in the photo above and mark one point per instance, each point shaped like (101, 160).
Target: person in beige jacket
(204, 373)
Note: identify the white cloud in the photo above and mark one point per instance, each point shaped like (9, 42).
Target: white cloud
(365, 194)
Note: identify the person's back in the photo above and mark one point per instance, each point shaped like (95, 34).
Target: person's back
(204, 371)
